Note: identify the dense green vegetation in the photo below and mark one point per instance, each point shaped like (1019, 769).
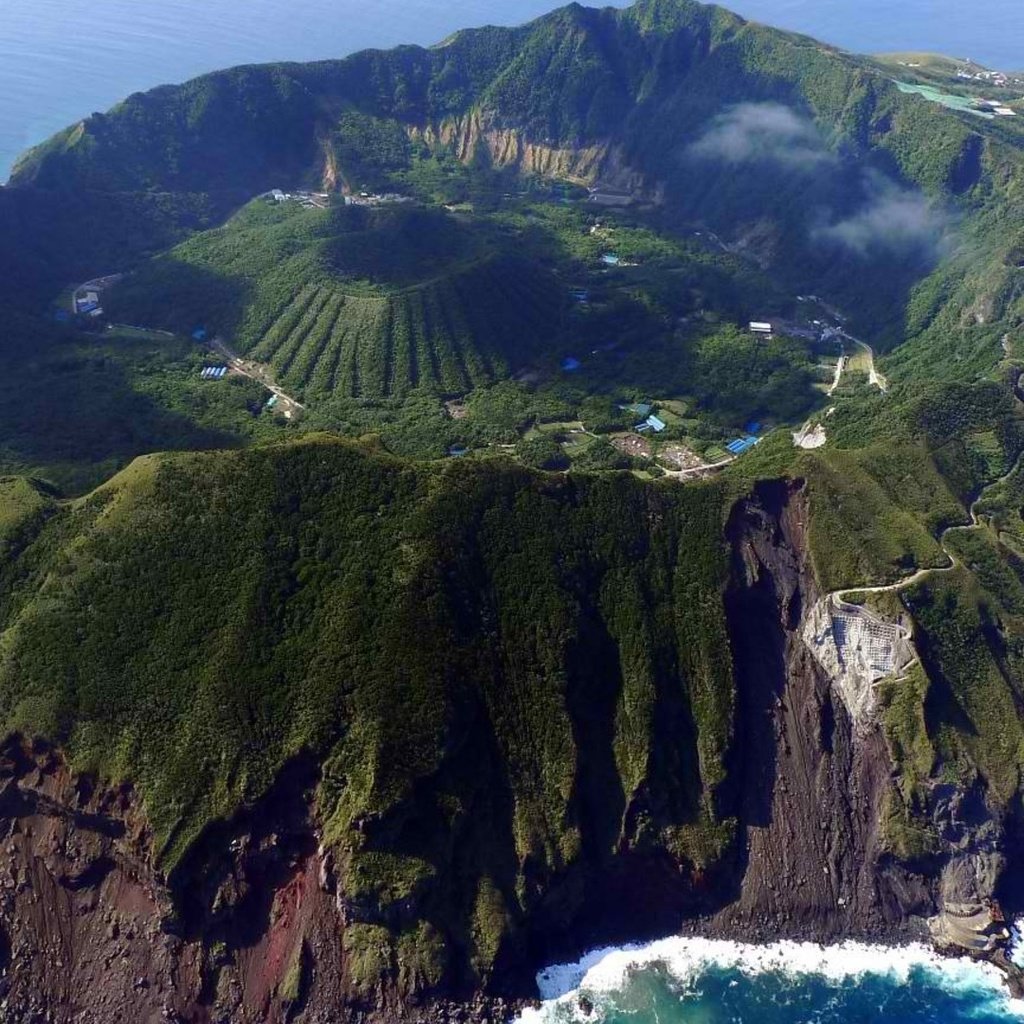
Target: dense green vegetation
(809, 192)
(75, 408)
(833, 181)
(506, 674)
(562, 637)
(356, 302)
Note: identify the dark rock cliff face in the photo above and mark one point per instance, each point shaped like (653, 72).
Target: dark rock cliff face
(90, 932)
(807, 791)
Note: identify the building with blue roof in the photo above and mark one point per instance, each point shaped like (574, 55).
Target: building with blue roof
(740, 445)
(569, 364)
(651, 423)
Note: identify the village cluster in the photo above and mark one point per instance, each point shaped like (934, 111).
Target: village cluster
(1000, 79)
(322, 200)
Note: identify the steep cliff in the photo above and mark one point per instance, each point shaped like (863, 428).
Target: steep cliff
(808, 788)
(271, 914)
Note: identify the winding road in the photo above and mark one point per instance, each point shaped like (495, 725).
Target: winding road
(257, 372)
(975, 524)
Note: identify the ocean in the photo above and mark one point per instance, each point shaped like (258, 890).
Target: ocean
(63, 59)
(700, 981)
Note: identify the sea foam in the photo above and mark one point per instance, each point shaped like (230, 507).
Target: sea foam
(604, 972)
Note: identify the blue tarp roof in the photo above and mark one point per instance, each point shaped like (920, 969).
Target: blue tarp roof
(569, 364)
(199, 333)
(611, 259)
(741, 444)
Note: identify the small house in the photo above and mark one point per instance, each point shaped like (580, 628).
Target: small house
(760, 327)
(655, 424)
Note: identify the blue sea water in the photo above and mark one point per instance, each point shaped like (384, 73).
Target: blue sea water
(696, 981)
(63, 59)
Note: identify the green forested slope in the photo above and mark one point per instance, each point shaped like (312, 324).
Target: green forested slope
(649, 85)
(363, 303)
(504, 678)
(564, 637)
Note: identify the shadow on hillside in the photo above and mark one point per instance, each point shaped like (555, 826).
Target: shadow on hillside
(76, 418)
(171, 294)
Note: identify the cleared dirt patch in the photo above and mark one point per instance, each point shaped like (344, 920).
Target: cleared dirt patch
(678, 456)
(631, 444)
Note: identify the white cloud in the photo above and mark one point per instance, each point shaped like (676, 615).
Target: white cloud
(752, 132)
(892, 217)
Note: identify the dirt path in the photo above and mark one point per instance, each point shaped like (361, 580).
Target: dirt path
(840, 366)
(259, 373)
(874, 377)
(708, 469)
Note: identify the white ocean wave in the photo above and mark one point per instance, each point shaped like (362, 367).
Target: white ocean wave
(607, 971)
(1017, 942)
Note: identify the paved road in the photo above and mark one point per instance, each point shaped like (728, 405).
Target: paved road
(975, 524)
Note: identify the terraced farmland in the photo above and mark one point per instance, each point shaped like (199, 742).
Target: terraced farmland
(451, 334)
(333, 319)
